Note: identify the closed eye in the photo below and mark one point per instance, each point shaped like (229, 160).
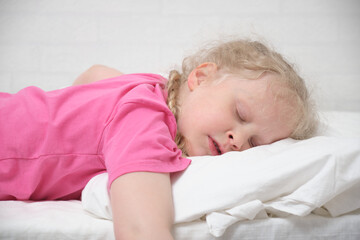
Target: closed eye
(242, 110)
(240, 114)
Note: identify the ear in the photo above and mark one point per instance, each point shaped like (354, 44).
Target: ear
(202, 73)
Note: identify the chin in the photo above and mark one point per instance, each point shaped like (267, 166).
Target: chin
(191, 151)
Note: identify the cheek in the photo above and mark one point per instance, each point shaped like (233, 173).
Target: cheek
(206, 114)
(199, 122)
(218, 116)
(217, 121)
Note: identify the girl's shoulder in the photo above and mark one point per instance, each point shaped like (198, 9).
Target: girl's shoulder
(136, 79)
(115, 86)
(144, 88)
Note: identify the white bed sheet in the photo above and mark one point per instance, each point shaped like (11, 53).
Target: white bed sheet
(344, 227)
(68, 220)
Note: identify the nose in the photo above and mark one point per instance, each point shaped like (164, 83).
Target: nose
(237, 142)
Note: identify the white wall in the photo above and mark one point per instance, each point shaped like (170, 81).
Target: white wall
(48, 43)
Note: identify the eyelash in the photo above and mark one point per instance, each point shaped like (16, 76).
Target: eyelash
(251, 143)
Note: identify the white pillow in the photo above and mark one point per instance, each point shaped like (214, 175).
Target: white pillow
(286, 177)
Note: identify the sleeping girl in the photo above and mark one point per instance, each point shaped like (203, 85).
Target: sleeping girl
(140, 128)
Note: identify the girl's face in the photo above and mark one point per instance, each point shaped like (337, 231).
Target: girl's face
(233, 114)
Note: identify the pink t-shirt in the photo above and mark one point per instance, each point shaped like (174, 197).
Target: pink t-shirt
(53, 143)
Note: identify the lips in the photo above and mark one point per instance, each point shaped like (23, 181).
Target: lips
(214, 147)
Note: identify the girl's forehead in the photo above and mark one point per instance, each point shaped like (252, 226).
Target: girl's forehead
(264, 79)
(257, 88)
(264, 96)
(266, 89)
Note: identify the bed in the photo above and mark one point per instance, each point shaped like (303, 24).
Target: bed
(287, 190)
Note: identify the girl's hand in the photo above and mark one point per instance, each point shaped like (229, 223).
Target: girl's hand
(95, 73)
(142, 206)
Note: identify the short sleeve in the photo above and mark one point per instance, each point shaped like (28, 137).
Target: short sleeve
(139, 137)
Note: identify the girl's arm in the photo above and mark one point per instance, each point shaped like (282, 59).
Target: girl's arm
(142, 206)
(95, 73)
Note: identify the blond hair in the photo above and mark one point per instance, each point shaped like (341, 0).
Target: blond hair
(252, 58)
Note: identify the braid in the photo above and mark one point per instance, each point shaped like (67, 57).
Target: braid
(173, 87)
